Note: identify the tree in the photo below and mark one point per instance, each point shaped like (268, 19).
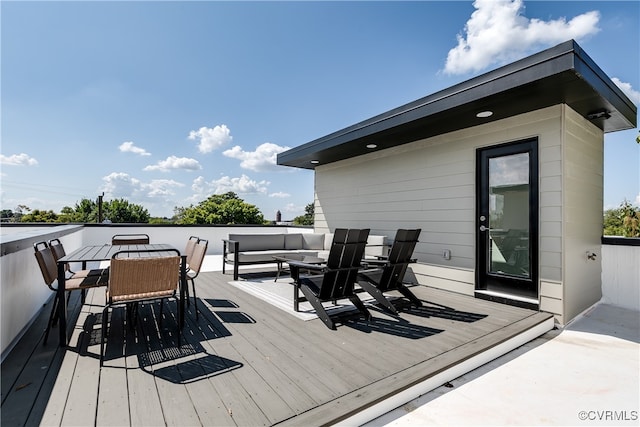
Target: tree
(307, 218)
(225, 208)
(121, 211)
(39, 216)
(622, 221)
(6, 215)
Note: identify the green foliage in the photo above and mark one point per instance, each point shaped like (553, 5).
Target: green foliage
(307, 218)
(121, 211)
(6, 214)
(225, 208)
(159, 220)
(622, 221)
(86, 211)
(39, 216)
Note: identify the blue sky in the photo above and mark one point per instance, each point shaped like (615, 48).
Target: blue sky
(166, 103)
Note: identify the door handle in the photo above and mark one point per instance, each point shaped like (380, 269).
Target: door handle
(483, 228)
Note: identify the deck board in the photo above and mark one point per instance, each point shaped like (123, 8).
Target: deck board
(245, 362)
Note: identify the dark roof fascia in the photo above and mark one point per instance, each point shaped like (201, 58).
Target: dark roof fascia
(561, 74)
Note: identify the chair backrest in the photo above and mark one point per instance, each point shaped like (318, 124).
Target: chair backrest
(399, 258)
(47, 263)
(130, 239)
(343, 262)
(143, 273)
(58, 252)
(191, 244)
(197, 256)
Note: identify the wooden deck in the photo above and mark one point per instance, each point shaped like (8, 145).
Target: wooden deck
(244, 362)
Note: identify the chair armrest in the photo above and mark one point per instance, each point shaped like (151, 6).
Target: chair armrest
(300, 264)
(377, 262)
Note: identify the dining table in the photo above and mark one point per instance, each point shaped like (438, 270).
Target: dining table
(99, 253)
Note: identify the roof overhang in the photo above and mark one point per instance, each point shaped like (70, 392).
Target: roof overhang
(564, 74)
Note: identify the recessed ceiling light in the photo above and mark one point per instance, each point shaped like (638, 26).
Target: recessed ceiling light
(372, 145)
(315, 162)
(483, 114)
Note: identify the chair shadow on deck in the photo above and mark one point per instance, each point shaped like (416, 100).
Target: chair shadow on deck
(431, 309)
(398, 327)
(156, 349)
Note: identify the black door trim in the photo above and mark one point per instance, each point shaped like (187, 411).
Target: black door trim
(483, 155)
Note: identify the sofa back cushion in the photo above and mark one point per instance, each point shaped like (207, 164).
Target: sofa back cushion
(293, 241)
(375, 246)
(328, 240)
(313, 241)
(258, 242)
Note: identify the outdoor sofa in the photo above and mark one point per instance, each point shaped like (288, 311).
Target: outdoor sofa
(248, 249)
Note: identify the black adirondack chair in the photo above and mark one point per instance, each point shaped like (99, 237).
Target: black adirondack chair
(389, 272)
(336, 278)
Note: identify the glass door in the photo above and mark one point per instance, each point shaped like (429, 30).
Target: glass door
(507, 223)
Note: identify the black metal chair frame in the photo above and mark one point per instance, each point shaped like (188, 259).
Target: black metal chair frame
(390, 271)
(194, 269)
(336, 278)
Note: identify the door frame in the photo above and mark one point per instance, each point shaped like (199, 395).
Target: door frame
(484, 279)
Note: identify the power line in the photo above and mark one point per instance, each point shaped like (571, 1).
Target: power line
(43, 188)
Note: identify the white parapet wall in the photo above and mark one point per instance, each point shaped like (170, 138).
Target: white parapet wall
(621, 275)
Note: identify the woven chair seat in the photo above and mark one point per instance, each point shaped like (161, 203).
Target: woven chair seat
(75, 283)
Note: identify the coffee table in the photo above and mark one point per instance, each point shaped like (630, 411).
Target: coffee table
(283, 259)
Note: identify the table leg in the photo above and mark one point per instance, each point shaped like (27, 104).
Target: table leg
(62, 305)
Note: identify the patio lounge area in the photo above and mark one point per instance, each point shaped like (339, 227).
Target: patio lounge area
(246, 362)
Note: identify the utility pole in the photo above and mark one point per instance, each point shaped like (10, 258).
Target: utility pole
(100, 208)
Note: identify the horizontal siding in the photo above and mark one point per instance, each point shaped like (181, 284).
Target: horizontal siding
(430, 184)
(451, 279)
(582, 200)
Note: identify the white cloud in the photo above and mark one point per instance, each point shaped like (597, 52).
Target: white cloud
(21, 159)
(129, 147)
(162, 187)
(633, 94)
(240, 185)
(122, 185)
(292, 210)
(638, 200)
(173, 162)
(280, 195)
(498, 32)
(261, 160)
(211, 138)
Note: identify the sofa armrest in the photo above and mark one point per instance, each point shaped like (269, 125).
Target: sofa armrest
(228, 247)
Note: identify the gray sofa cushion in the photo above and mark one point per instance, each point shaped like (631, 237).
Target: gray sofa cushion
(293, 241)
(258, 242)
(267, 256)
(312, 241)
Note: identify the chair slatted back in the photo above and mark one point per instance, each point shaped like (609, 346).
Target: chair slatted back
(343, 262)
(191, 244)
(399, 258)
(142, 274)
(197, 256)
(58, 252)
(130, 239)
(47, 263)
